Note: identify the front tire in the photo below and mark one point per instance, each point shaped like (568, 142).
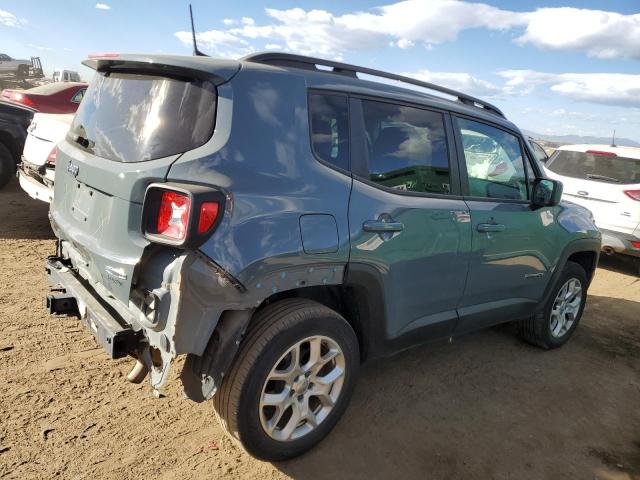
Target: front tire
(555, 323)
(291, 381)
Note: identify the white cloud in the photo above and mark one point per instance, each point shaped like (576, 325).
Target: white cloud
(218, 42)
(598, 33)
(102, 6)
(617, 89)
(273, 46)
(461, 81)
(409, 23)
(8, 19)
(40, 47)
(319, 32)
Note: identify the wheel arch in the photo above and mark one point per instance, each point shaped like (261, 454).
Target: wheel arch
(587, 259)
(348, 300)
(585, 252)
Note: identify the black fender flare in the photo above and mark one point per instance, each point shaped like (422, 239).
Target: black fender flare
(591, 245)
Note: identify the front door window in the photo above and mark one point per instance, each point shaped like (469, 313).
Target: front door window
(494, 161)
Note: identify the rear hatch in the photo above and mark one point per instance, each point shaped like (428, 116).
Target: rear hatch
(603, 182)
(138, 116)
(44, 132)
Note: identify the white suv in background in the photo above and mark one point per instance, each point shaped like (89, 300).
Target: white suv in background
(606, 180)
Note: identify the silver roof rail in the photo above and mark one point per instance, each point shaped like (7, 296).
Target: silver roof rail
(310, 63)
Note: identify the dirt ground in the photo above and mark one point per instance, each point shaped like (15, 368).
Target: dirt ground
(485, 406)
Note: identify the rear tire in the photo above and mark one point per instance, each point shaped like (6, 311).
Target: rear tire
(248, 403)
(555, 323)
(7, 165)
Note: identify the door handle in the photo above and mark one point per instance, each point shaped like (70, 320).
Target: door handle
(378, 226)
(490, 227)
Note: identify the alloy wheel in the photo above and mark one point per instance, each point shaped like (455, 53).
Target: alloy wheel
(565, 307)
(302, 388)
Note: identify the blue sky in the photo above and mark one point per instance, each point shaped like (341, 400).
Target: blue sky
(555, 67)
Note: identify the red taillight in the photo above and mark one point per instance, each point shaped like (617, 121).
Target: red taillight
(23, 99)
(173, 215)
(633, 194)
(52, 156)
(208, 216)
(181, 215)
(635, 244)
(600, 152)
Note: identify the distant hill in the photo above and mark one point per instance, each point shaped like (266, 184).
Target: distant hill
(572, 139)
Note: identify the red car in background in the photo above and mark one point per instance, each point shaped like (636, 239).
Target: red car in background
(59, 97)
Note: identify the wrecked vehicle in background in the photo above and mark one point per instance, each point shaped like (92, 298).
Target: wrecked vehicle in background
(278, 224)
(36, 172)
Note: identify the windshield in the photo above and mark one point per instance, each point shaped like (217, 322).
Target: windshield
(597, 167)
(132, 118)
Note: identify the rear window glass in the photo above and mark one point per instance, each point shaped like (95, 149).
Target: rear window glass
(602, 168)
(132, 118)
(330, 128)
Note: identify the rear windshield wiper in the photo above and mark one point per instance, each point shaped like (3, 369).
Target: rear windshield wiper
(602, 177)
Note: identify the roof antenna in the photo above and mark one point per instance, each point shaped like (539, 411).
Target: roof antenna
(613, 140)
(196, 52)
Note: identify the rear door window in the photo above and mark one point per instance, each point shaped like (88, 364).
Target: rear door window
(494, 161)
(329, 117)
(407, 148)
(130, 117)
(600, 167)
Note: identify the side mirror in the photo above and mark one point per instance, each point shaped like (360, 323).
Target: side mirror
(546, 192)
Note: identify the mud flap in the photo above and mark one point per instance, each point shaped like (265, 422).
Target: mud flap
(202, 375)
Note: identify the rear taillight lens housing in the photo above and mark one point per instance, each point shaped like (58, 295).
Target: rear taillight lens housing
(23, 99)
(208, 216)
(173, 215)
(635, 244)
(181, 215)
(51, 159)
(633, 194)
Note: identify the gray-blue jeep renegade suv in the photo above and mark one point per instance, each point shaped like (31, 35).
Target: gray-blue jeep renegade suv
(278, 220)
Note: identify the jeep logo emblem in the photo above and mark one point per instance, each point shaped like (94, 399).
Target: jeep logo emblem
(73, 169)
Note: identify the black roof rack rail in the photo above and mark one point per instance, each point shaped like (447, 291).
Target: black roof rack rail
(310, 63)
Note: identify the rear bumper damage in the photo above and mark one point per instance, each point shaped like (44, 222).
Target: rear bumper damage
(180, 303)
(162, 320)
(71, 297)
(34, 184)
